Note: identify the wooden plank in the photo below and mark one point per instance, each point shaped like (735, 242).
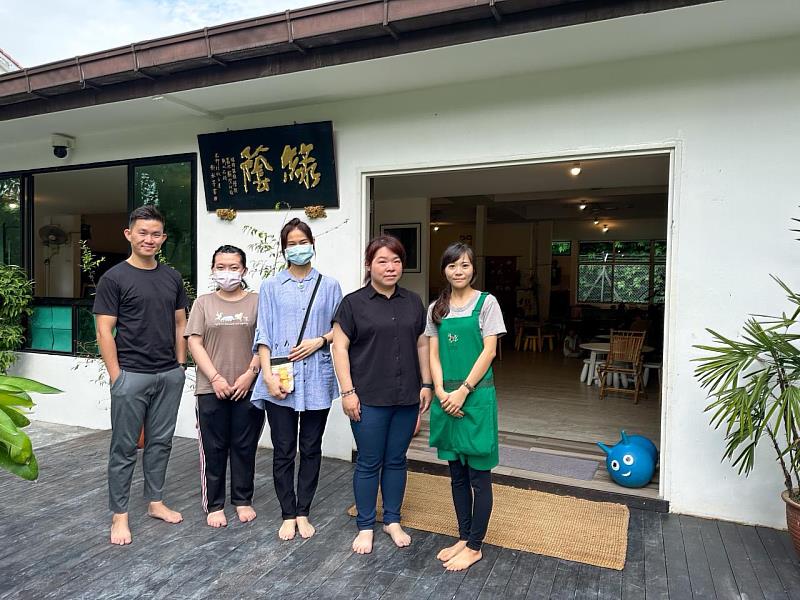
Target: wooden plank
(768, 579)
(785, 565)
(141, 554)
(565, 581)
(609, 586)
(697, 562)
(497, 580)
(588, 582)
(718, 563)
(655, 563)
(633, 586)
(520, 579)
(675, 554)
(743, 572)
(542, 581)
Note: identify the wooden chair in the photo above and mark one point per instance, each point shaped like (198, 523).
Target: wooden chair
(624, 358)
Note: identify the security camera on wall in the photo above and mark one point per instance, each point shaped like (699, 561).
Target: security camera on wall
(61, 144)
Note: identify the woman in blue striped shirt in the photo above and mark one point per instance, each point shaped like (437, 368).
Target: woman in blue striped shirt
(296, 403)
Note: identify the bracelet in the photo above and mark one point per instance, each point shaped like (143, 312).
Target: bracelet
(214, 378)
(427, 386)
(349, 392)
(254, 370)
(470, 388)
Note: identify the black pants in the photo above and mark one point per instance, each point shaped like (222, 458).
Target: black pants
(283, 424)
(227, 429)
(472, 497)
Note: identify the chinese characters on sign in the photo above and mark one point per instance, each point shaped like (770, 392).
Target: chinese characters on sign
(256, 169)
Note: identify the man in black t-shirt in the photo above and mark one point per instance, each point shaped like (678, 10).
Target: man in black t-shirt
(146, 303)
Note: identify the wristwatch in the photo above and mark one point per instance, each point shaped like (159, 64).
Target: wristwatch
(427, 386)
(183, 366)
(324, 342)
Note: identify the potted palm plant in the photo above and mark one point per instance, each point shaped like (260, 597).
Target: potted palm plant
(755, 386)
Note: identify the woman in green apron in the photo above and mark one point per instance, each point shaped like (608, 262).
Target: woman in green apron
(464, 325)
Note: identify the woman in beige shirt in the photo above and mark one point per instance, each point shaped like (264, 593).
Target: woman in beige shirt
(220, 331)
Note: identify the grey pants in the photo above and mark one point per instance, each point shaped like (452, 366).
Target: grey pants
(152, 400)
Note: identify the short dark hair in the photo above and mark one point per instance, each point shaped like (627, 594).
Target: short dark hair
(383, 241)
(148, 212)
(290, 227)
(228, 249)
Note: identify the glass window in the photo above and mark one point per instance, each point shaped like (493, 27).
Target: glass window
(10, 214)
(631, 272)
(561, 248)
(169, 187)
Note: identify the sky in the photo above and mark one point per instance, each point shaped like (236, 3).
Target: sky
(37, 32)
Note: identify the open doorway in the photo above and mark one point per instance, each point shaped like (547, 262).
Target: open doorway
(572, 251)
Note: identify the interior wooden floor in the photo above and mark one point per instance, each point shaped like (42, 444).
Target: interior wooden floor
(542, 405)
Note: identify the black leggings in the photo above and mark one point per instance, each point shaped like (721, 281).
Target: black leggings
(472, 497)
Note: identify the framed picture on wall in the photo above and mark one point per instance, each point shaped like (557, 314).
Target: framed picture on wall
(409, 236)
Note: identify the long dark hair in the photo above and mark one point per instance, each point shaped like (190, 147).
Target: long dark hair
(228, 249)
(383, 241)
(451, 254)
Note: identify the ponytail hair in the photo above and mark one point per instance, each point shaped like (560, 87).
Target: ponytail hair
(451, 254)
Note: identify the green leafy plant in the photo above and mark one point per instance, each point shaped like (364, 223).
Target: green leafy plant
(16, 451)
(90, 262)
(755, 386)
(16, 296)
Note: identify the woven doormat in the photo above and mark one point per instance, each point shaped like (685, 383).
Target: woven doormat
(595, 533)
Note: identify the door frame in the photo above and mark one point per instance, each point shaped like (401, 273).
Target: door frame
(672, 148)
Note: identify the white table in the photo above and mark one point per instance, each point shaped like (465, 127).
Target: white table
(597, 348)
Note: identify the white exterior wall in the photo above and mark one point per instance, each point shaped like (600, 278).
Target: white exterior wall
(731, 115)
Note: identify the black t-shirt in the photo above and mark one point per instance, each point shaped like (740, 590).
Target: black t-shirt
(144, 302)
(383, 332)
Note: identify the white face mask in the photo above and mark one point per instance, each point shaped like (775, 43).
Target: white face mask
(227, 281)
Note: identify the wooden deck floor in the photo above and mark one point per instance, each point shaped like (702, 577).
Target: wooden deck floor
(54, 536)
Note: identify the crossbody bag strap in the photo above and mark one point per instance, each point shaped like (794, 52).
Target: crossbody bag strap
(308, 310)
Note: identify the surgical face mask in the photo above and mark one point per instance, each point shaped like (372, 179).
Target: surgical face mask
(227, 280)
(300, 255)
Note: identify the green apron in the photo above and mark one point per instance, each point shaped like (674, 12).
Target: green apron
(471, 439)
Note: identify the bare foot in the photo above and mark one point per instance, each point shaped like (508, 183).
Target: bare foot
(463, 560)
(120, 532)
(447, 553)
(158, 510)
(287, 530)
(399, 537)
(245, 513)
(217, 518)
(305, 528)
(363, 542)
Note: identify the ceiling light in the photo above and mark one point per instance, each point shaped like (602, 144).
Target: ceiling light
(158, 98)
(582, 206)
(597, 221)
(605, 228)
(13, 205)
(575, 170)
(436, 228)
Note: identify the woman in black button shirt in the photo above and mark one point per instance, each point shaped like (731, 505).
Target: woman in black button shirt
(381, 359)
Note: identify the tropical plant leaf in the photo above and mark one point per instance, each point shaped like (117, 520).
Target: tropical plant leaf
(17, 442)
(27, 385)
(19, 419)
(23, 399)
(29, 470)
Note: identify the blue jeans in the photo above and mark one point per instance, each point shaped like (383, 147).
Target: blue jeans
(382, 438)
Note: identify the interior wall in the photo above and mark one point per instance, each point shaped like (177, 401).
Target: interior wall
(107, 232)
(409, 210)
